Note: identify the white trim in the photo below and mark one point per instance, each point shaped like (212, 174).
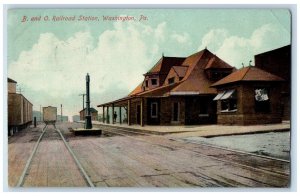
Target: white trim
(151, 111)
(185, 93)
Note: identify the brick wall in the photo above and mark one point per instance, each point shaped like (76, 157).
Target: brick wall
(133, 110)
(200, 110)
(246, 114)
(167, 110)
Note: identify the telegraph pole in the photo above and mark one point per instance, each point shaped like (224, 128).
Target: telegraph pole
(82, 100)
(61, 117)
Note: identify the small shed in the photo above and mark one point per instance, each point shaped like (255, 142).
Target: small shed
(249, 96)
(94, 114)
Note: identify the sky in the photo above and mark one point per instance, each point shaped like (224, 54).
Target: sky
(50, 59)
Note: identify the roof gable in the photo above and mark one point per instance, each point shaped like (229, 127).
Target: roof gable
(195, 79)
(180, 70)
(217, 63)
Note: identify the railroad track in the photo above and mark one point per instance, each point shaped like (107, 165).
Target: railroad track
(253, 162)
(29, 161)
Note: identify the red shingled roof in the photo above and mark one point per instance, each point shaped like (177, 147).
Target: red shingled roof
(159, 91)
(217, 63)
(137, 90)
(180, 70)
(196, 79)
(164, 65)
(248, 74)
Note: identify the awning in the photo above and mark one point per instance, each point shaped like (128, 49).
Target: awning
(228, 94)
(219, 96)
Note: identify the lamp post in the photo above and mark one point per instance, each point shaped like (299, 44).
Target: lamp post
(88, 119)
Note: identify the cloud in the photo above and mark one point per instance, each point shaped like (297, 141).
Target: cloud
(236, 49)
(181, 38)
(54, 70)
(213, 39)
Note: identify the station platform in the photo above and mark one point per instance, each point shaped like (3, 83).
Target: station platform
(203, 130)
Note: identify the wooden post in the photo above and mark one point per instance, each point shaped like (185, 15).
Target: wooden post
(120, 113)
(142, 105)
(103, 114)
(128, 112)
(107, 120)
(113, 114)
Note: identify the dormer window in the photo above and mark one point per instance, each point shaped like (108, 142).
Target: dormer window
(154, 81)
(171, 80)
(146, 83)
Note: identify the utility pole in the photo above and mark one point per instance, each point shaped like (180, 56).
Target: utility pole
(61, 116)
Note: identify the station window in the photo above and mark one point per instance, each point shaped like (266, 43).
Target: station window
(171, 80)
(228, 105)
(154, 81)
(228, 100)
(215, 75)
(262, 101)
(146, 83)
(154, 110)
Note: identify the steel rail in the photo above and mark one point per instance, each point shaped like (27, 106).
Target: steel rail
(83, 172)
(24, 173)
(28, 163)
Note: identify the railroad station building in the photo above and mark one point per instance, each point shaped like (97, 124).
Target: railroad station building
(176, 91)
(203, 89)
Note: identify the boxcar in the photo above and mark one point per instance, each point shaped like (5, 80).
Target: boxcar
(19, 112)
(49, 114)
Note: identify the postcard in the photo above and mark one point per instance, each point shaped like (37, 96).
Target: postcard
(172, 98)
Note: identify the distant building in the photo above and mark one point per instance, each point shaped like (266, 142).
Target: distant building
(278, 62)
(11, 86)
(76, 118)
(94, 114)
(249, 96)
(63, 119)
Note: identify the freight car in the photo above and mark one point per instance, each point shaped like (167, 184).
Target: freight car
(49, 115)
(19, 113)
